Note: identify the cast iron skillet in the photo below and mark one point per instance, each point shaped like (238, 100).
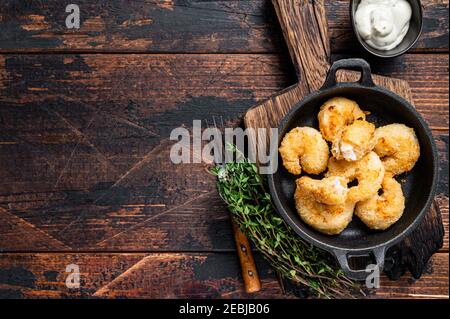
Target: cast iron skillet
(418, 185)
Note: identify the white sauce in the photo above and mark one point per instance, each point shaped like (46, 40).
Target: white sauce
(345, 150)
(383, 23)
(338, 188)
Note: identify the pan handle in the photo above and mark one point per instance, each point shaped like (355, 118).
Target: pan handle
(358, 274)
(352, 64)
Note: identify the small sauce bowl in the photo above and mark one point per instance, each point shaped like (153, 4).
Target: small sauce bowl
(415, 29)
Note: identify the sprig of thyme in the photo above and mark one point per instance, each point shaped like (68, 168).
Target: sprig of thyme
(244, 191)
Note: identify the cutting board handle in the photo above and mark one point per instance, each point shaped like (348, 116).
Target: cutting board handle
(300, 20)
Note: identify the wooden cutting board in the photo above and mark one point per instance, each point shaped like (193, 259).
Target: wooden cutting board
(304, 28)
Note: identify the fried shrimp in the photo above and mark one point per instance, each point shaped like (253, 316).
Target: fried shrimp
(304, 148)
(337, 113)
(398, 147)
(329, 190)
(328, 219)
(381, 211)
(368, 171)
(354, 141)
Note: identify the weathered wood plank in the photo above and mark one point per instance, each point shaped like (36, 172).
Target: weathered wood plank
(100, 147)
(432, 284)
(89, 168)
(178, 26)
(150, 26)
(200, 224)
(84, 150)
(442, 199)
(194, 275)
(129, 81)
(106, 275)
(441, 202)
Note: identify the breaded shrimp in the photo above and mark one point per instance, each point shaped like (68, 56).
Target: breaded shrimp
(381, 211)
(337, 113)
(328, 219)
(342, 168)
(329, 190)
(304, 148)
(398, 147)
(355, 141)
(368, 171)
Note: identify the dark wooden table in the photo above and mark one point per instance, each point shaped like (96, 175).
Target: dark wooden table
(85, 116)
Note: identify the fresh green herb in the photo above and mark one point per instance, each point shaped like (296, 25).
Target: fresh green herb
(244, 191)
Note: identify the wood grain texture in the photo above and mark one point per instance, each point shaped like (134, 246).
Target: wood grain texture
(172, 275)
(301, 29)
(179, 26)
(249, 271)
(441, 203)
(127, 219)
(107, 110)
(141, 26)
(433, 283)
(84, 176)
(94, 172)
(106, 275)
(125, 84)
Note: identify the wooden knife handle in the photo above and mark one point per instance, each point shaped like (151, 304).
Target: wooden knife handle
(248, 267)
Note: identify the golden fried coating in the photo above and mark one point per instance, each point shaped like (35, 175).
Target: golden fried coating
(342, 168)
(355, 141)
(371, 156)
(328, 219)
(368, 171)
(329, 190)
(381, 211)
(398, 147)
(337, 113)
(304, 148)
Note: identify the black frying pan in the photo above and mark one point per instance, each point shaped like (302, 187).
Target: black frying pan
(418, 185)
